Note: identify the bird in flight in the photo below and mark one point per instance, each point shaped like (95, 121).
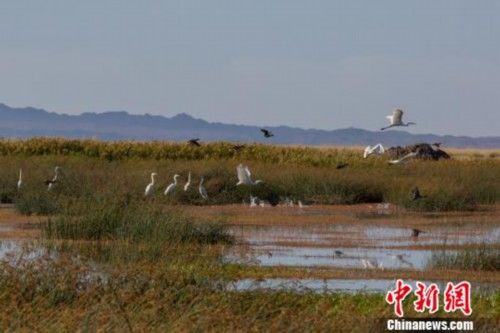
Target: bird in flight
(267, 133)
(404, 159)
(244, 176)
(396, 119)
(195, 142)
(378, 149)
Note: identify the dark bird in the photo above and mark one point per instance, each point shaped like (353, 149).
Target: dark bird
(415, 194)
(338, 253)
(194, 142)
(50, 182)
(238, 147)
(267, 133)
(341, 165)
(416, 232)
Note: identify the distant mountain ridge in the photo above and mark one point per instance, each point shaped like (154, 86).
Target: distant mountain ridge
(120, 125)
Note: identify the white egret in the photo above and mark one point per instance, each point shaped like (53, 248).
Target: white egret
(188, 184)
(50, 183)
(377, 149)
(244, 176)
(20, 181)
(253, 201)
(151, 186)
(402, 260)
(404, 159)
(396, 119)
(202, 189)
(171, 188)
(371, 263)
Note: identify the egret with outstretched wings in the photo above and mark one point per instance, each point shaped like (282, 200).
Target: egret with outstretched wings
(396, 119)
(244, 176)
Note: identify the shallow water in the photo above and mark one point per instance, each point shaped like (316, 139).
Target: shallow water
(350, 245)
(350, 257)
(338, 285)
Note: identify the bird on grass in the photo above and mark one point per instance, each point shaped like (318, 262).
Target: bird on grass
(267, 133)
(20, 181)
(415, 194)
(188, 184)
(51, 182)
(404, 159)
(195, 142)
(238, 148)
(202, 189)
(396, 119)
(244, 176)
(371, 263)
(416, 232)
(171, 188)
(338, 253)
(341, 165)
(151, 186)
(377, 149)
(253, 201)
(402, 260)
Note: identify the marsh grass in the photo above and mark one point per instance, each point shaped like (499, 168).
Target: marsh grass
(36, 202)
(111, 218)
(65, 295)
(481, 258)
(300, 173)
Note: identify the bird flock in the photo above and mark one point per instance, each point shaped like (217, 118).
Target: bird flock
(242, 171)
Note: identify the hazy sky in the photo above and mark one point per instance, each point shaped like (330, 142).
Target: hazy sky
(323, 64)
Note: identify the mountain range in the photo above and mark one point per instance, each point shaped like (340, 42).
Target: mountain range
(119, 125)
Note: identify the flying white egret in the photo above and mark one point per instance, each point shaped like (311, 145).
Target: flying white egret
(20, 181)
(377, 149)
(244, 176)
(404, 159)
(396, 119)
(171, 188)
(202, 189)
(50, 183)
(188, 184)
(151, 186)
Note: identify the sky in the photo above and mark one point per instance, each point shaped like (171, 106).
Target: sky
(309, 64)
